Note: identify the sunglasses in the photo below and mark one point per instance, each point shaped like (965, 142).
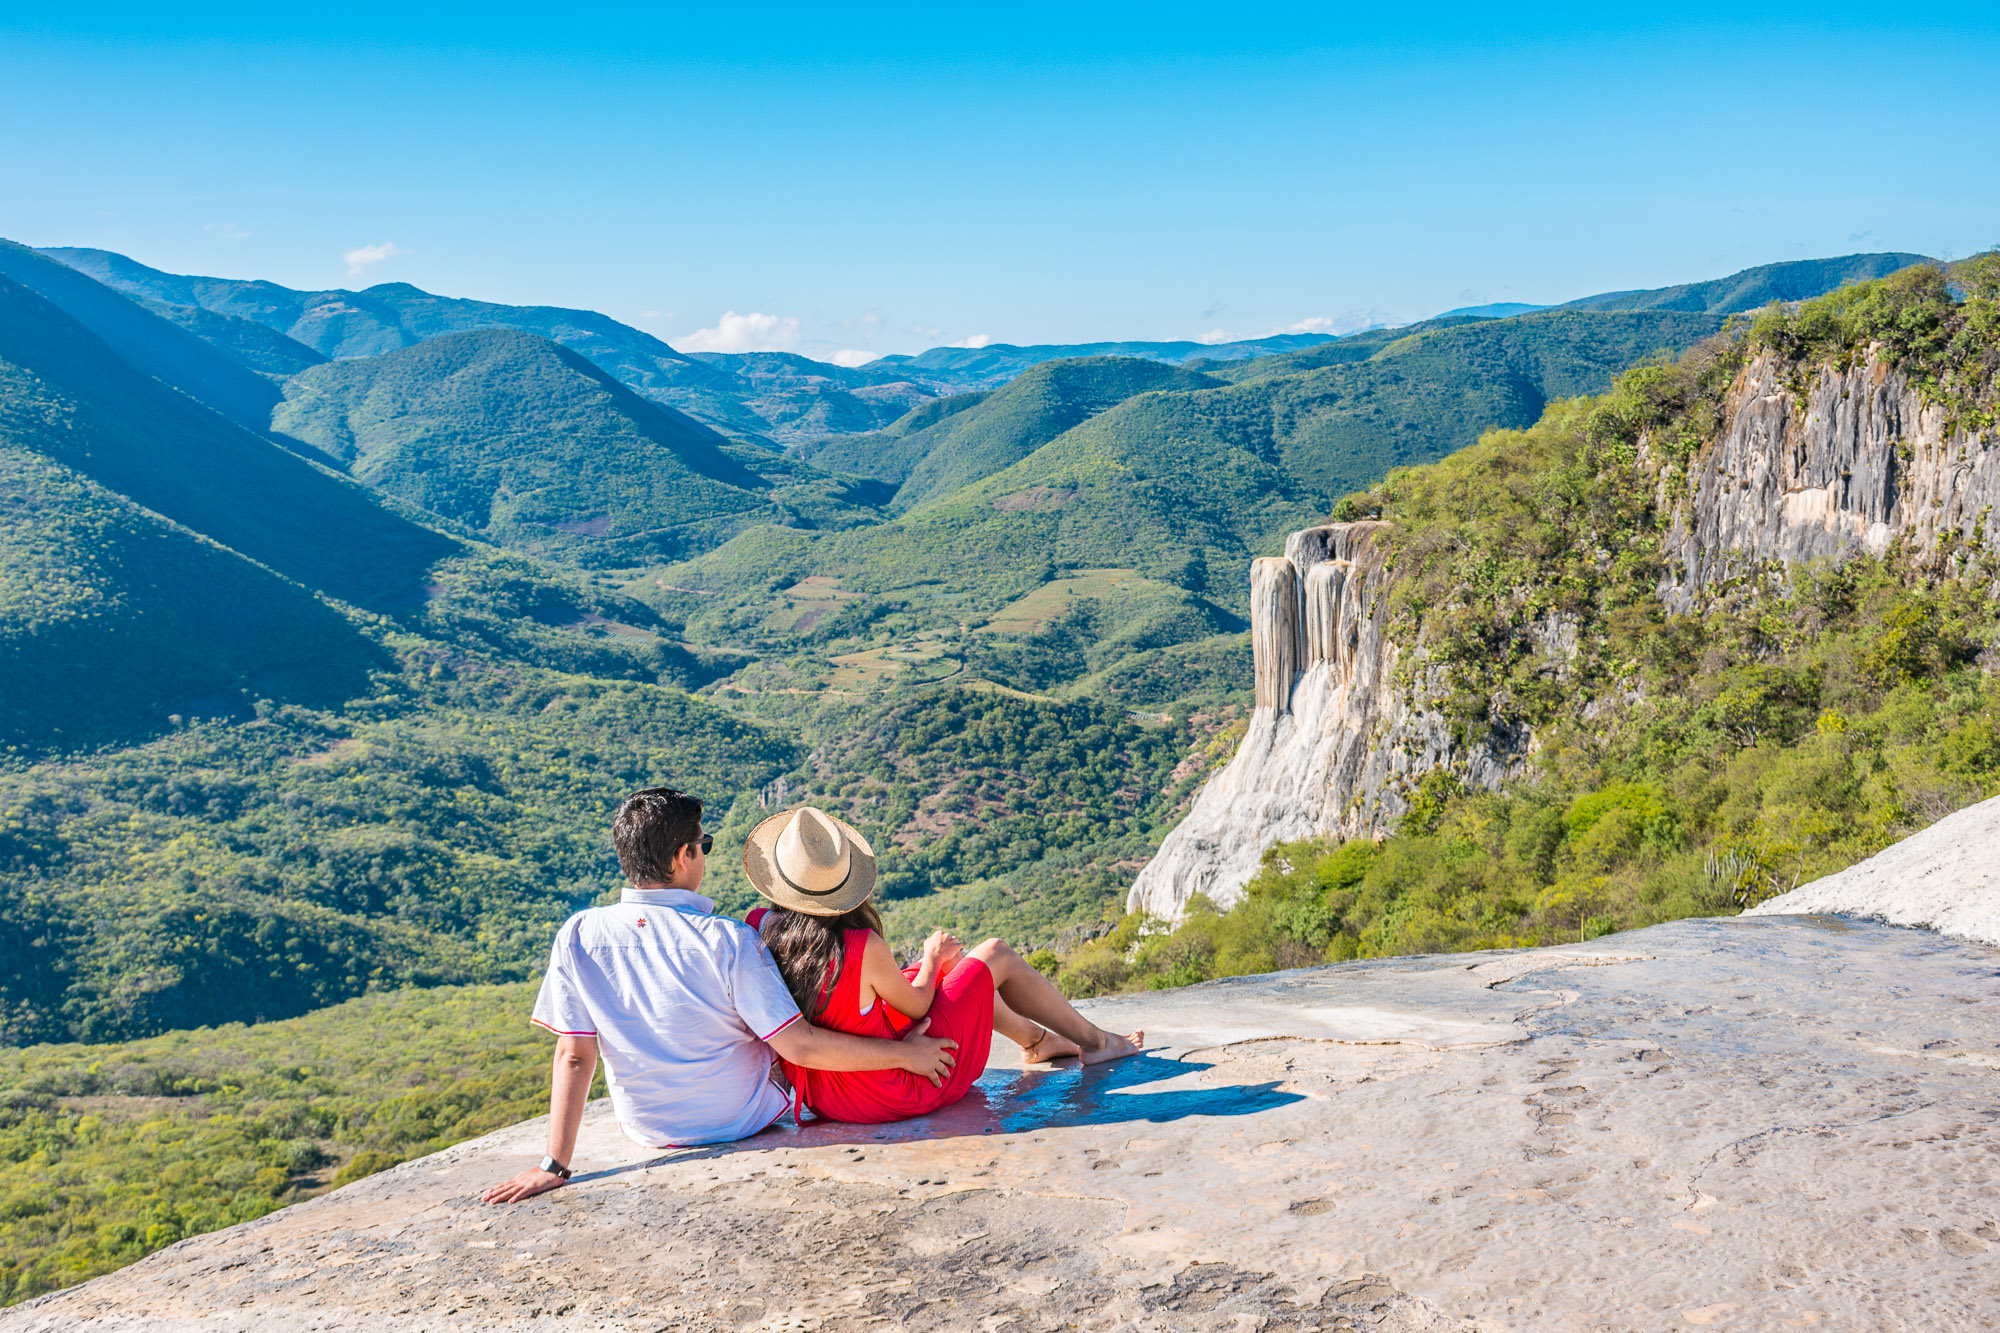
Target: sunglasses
(706, 844)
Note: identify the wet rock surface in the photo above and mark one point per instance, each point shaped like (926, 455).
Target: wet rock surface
(1753, 1123)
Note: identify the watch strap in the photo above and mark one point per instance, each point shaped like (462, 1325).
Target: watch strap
(553, 1167)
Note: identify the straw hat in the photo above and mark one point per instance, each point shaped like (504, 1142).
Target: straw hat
(810, 862)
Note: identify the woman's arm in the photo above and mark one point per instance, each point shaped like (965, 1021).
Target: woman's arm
(908, 997)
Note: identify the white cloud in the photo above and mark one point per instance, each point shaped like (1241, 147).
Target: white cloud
(1215, 336)
(361, 257)
(744, 333)
(976, 340)
(1351, 321)
(228, 231)
(849, 356)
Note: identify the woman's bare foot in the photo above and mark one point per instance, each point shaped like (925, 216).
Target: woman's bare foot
(1115, 1047)
(1051, 1045)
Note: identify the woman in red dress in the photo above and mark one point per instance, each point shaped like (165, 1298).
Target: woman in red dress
(826, 936)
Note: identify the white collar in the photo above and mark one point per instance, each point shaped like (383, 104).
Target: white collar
(676, 898)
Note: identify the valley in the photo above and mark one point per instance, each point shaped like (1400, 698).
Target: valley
(337, 622)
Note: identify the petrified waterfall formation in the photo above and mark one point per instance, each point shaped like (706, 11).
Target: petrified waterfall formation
(1854, 462)
(1306, 765)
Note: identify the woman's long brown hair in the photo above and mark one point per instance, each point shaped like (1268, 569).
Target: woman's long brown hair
(812, 949)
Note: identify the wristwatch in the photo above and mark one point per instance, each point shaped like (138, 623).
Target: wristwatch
(555, 1168)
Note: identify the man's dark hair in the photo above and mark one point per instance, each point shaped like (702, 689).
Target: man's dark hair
(651, 826)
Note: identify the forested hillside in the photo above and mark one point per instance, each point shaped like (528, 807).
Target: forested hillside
(939, 448)
(526, 443)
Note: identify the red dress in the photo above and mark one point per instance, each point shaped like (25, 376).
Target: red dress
(962, 1009)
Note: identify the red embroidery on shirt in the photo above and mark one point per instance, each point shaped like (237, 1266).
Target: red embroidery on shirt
(642, 920)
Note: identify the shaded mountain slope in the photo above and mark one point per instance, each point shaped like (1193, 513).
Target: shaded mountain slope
(526, 442)
(159, 348)
(131, 434)
(251, 345)
(113, 620)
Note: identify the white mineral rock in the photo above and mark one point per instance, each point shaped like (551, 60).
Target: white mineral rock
(1946, 878)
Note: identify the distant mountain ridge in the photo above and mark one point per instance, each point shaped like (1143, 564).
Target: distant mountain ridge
(1750, 289)
(722, 391)
(968, 369)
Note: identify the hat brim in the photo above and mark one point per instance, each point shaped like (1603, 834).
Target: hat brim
(761, 865)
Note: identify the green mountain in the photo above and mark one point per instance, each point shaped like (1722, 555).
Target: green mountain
(1429, 393)
(887, 455)
(135, 436)
(954, 370)
(961, 439)
(173, 355)
(527, 443)
(119, 609)
(1755, 288)
(762, 394)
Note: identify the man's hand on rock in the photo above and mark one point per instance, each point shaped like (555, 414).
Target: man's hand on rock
(527, 1185)
(928, 1057)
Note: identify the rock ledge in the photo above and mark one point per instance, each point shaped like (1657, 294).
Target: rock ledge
(1763, 1123)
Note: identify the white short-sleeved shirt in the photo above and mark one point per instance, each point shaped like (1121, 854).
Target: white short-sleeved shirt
(681, 1002)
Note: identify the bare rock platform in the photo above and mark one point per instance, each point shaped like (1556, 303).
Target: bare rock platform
(1769, 1123)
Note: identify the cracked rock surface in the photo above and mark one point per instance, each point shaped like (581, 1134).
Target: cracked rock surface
(1778, 1122)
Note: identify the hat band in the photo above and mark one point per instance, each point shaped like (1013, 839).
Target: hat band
(815, 893)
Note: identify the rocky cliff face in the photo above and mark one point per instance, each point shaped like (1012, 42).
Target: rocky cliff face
(1850, 460)
(1333, 746)
(1854, 463)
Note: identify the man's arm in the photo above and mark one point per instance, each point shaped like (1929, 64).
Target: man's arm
(819, 1048)
(569, 1088)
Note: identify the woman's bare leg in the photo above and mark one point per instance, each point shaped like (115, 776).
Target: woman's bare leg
(1028, 993)
(1038, 1044)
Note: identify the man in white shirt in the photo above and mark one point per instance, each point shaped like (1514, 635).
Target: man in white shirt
(683, 1006)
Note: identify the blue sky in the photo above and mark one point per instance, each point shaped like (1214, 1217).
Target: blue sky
(847, 182)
